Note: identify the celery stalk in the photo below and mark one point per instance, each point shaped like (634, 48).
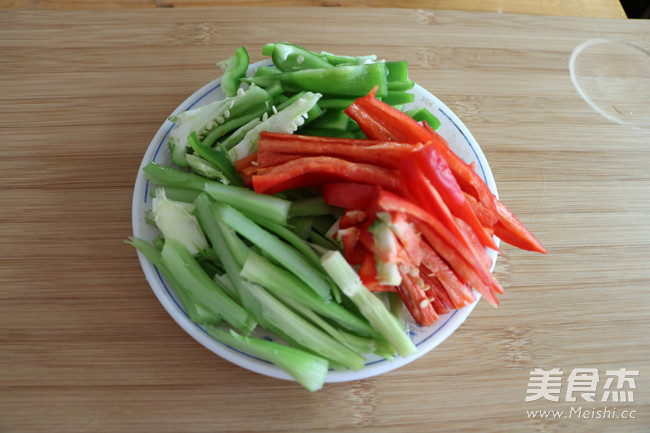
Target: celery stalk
(274, 315)
(309, 370)
(370, 306)
(267, 206)
(191, 276)
(283, 283)
(274, 247)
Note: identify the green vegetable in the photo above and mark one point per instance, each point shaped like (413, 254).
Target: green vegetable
(175, 221)
(272, 208)
(370, 306)
(234, 68)
(284, 121)
(274, 247)
(308, 370)
(284, 284)
(192, 278)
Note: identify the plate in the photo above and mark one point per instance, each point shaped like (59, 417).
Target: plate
(425, 339)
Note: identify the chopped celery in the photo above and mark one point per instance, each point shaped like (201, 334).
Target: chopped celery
(248, 201)
(274, 315)
(175, 222)
(309, 370)
(290, 258)
(195, 311)
(283, 283)
(311, 206)
(189, 274)
(370, 306)
(285, 233)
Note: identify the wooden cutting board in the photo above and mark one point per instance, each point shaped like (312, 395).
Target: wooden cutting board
(85, 345)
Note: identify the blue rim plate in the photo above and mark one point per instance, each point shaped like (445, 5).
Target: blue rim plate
(425, 339)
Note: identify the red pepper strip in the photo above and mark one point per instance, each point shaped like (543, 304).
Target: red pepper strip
(352, 218)
(319, 170)
(437, 295)
(369, 125)
(245, 162)
(438, 291)
(462, 268)
(388, 202)
(458, 292)
(349, 195)
(416, 301)
(382, 153)
(387, 120)
(387, 255)
(417, 187)
(353, 250)
(487, 218)
(486, 261)
(437, 171)
(467, 178)
(368, 275)
(511, 230)
(270, 159)
(407, 236)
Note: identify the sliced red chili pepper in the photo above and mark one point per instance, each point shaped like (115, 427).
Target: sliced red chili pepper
(467, 178)
(437, 294)
(271, 159)
(407, 236)
(352, 218)
(463, 269)
(416, 301)
(245, 162)
(349, 195)
(368, 275)
(382, 153)
(487, 217)
(458, 292)
(437, 171)
(438, 290)
(386, 122)
(353, 250)
(319, 170)
(388, 201)
(509, 229)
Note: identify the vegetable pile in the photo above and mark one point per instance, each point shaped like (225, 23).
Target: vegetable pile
(307, 202)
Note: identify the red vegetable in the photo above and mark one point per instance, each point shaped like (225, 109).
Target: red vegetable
(385, 154)
(381, 121)
(349, 195)
(319, 170)
(437, 171)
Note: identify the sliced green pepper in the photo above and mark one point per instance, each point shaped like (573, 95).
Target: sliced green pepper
(234, 67)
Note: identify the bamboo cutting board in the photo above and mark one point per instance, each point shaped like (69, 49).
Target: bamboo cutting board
(85, 345)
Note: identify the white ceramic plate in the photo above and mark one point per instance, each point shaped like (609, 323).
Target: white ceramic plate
(452, 129)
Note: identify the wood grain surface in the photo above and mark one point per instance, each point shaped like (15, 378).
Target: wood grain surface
(86, 347)
(571, 8)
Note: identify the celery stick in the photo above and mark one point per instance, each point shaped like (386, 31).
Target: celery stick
(283, 283)
(287, 255)
(195, 311)
(370, 306)
(270, 207)
(174, 221)
(275, 316)
(289, 236)
(189, 273)
(309, 370)
(311, 206)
